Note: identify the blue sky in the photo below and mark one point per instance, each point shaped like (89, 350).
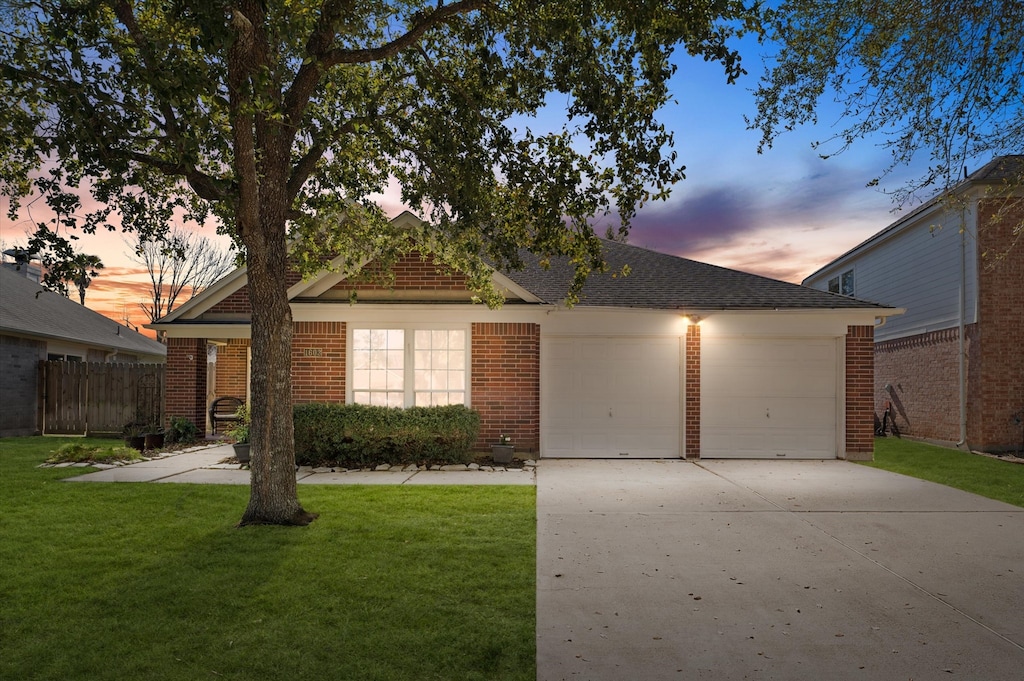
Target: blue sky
(782, 214)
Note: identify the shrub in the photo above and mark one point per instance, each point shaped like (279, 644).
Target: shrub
(182, 431)
(357, 435)
(239, 431)
(80, 452)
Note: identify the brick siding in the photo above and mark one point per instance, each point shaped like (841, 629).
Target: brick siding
(692, 408)
(411, 272)
(505, 383)
(922, 373)
(1000, 385)
(318, 376)
(185, 380)
(860, 372)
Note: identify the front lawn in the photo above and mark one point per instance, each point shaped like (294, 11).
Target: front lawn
(154, 581)
(982, 475)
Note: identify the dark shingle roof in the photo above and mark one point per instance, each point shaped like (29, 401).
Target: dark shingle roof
(51, 315)
(667, 282)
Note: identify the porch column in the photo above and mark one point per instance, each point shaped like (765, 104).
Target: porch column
(185, 381)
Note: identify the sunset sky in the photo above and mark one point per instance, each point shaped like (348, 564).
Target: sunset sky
(782, 214)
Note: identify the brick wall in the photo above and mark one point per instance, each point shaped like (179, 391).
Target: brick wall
(860, 371)
(411, 272)
(318, 375)
(692, 409)
(506, 383)
(185, 380)
(232, 368)
(19, 385)
(235, 304)
(1000, 386)
(922, 372)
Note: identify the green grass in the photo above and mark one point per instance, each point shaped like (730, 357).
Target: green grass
(992, 478)
(154, 581)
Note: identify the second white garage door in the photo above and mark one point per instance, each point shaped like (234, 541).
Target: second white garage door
(610, 397)
(768, 398)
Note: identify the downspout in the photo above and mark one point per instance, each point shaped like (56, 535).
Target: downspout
(961, 341)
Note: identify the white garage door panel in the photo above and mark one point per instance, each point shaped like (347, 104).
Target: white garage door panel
(768, 398)
(610, 397)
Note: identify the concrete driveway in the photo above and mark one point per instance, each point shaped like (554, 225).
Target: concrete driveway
(791, 570)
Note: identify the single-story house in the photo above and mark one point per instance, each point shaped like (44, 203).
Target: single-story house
(35, 325)
(679, 358)
(951, 368)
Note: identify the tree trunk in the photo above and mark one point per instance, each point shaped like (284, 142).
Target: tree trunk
(273, 498)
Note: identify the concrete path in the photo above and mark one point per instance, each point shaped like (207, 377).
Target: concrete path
(204, 467)
(650, 570)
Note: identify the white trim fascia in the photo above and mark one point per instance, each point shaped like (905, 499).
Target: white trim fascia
(503, 281)
(207, 299)
(210, 330)
(323, 280)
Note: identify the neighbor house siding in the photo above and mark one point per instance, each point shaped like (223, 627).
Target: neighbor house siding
(917, 269)
(505, 383)
(860, 371)
(185, 380)
(922, 374)
(1001, 313)
(19, 385)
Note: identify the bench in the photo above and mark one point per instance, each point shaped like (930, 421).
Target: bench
(224, 410)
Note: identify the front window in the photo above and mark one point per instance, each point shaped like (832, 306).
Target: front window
(401, 367)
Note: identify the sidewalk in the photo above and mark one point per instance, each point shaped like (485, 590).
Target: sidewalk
(204, 467)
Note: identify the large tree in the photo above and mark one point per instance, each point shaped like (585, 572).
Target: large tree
(942, 81)
(283, 118)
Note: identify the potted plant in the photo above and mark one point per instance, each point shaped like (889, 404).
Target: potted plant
(154, 436)
(239, 434)
(503, 451)
(134, 436)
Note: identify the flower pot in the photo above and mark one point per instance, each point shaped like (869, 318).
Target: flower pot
(135, 442)
(241, 451)
(502, 453)
(153, 440)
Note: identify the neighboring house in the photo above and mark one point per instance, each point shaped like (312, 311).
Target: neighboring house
(677, 359)
(953, 365)
(36, 324)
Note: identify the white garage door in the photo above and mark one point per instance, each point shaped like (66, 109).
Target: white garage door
(768, 398)
(610, 397)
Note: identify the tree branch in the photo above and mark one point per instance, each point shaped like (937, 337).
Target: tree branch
(324, 59)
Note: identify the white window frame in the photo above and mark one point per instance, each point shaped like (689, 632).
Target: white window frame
(409, 361)
(835, 284)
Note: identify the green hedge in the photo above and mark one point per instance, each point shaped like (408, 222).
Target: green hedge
(357, 435)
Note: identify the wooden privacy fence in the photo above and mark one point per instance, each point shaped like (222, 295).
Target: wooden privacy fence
(92, 398)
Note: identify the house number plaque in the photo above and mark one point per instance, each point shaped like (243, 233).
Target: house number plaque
(312, 352)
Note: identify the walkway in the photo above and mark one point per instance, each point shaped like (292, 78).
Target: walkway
(204, 467)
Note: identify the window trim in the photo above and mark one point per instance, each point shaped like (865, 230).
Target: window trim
(839, 279)
(409, 365)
